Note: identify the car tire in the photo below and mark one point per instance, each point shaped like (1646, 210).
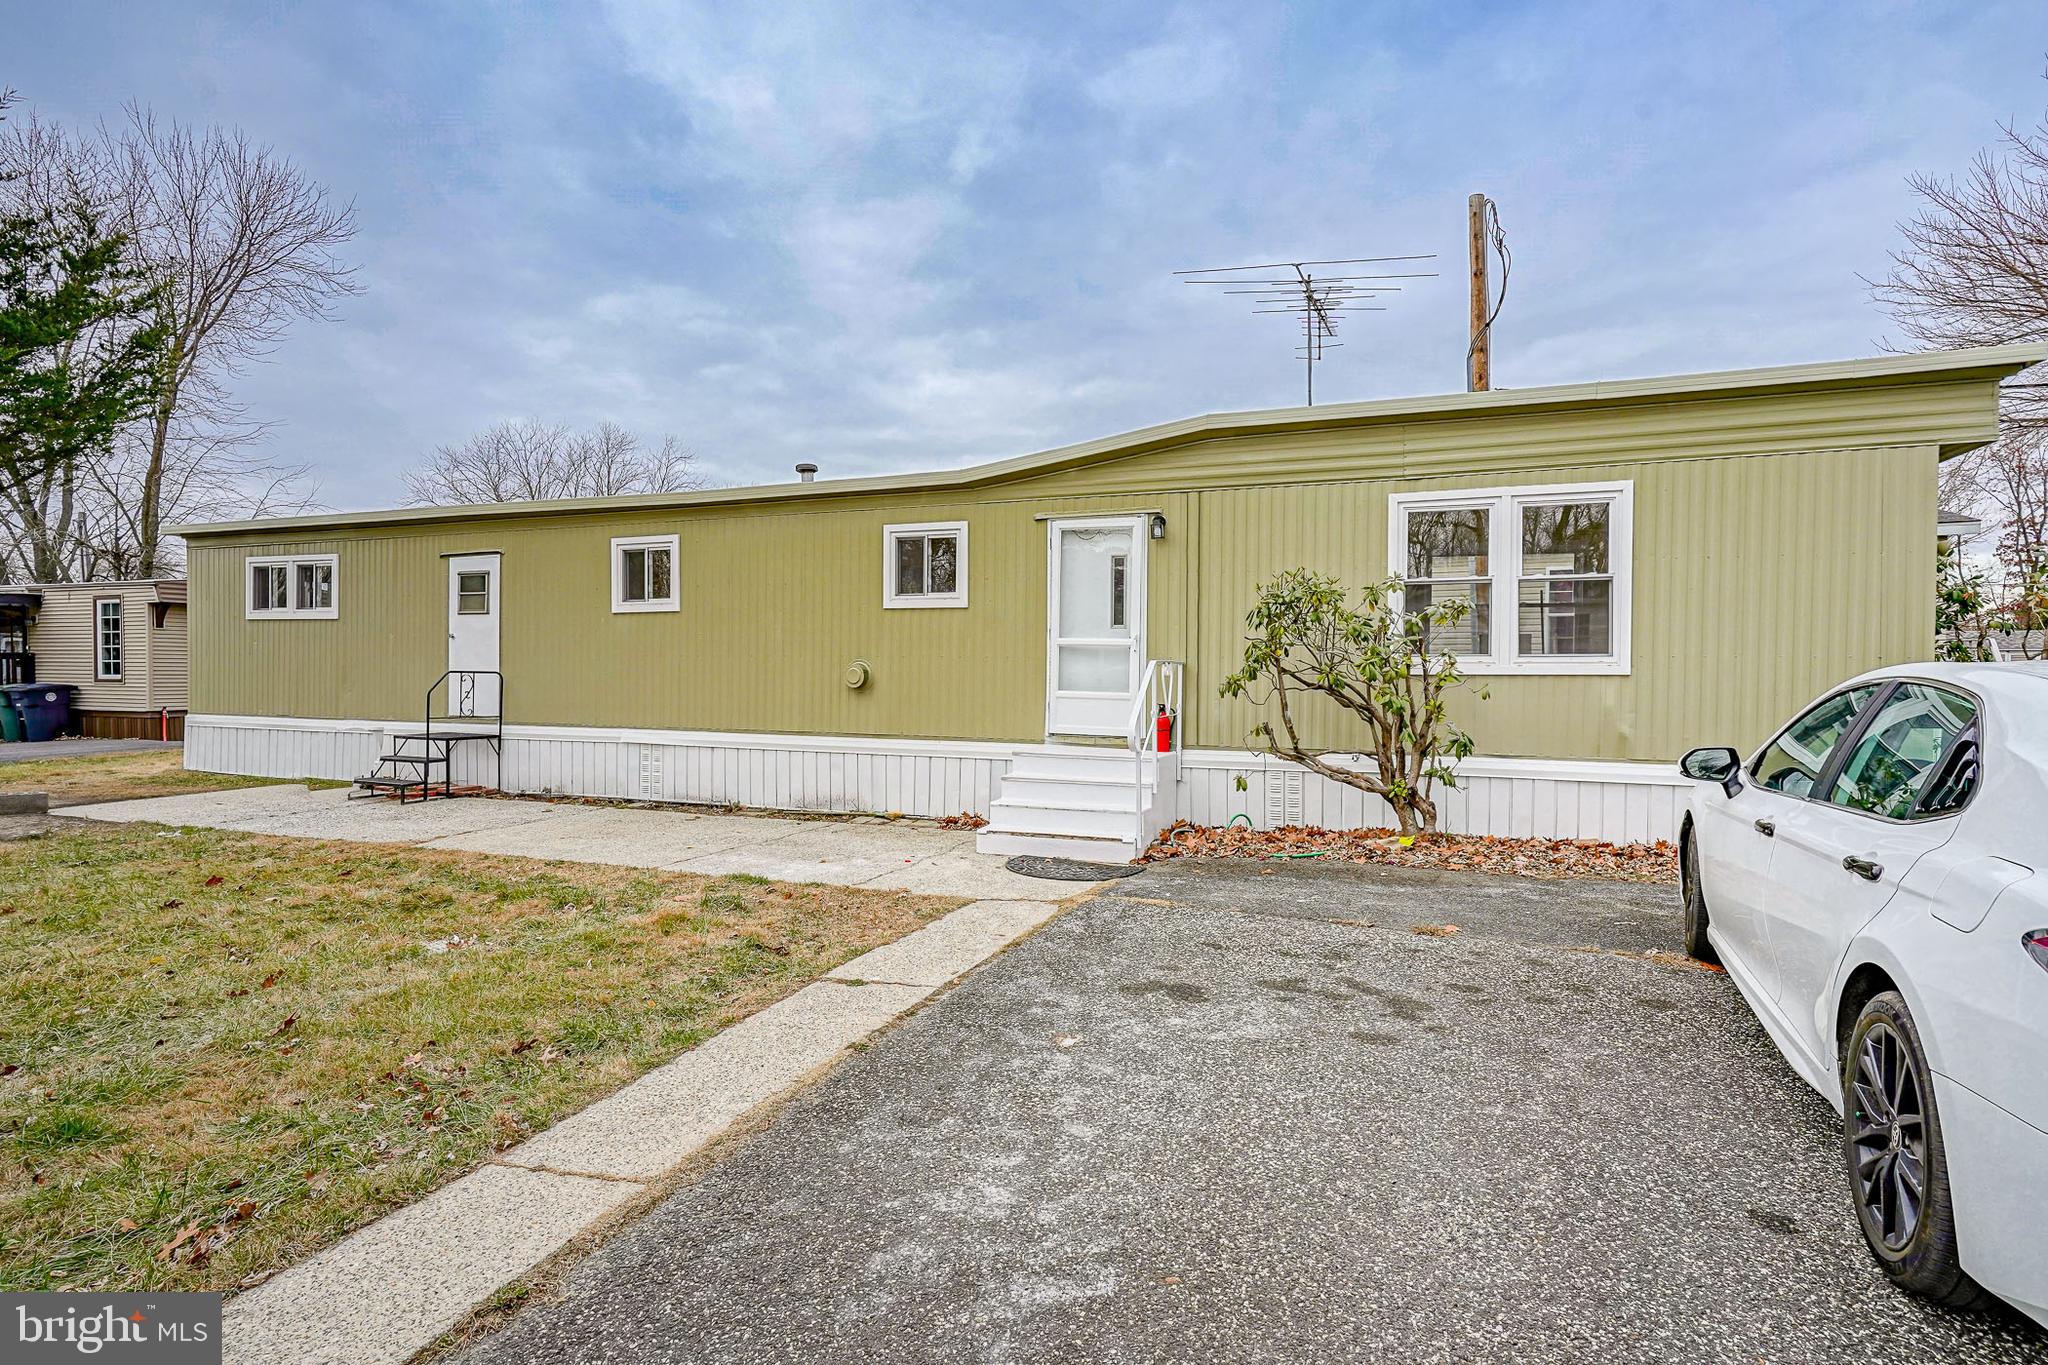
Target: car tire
(1888, 1094)
(1696, 944)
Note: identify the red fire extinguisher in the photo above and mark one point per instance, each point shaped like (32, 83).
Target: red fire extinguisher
(1162, 729)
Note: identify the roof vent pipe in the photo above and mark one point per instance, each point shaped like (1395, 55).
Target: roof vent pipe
(807, 471)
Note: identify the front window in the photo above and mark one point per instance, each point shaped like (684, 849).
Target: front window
(1792, 763)
(1557, 556)
(644, 573)
(292, 585)
(107, 615)
(1448, 561)
(1902, 751)
(925, 565)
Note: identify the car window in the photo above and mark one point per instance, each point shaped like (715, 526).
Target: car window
(1793, 761)
(1902, 749)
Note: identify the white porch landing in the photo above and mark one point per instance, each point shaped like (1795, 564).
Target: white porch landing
(1077, 801)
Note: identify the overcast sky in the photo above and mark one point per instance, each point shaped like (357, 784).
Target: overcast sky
(889, 237)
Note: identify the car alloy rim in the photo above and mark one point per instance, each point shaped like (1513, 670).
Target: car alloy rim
(1889, 1138)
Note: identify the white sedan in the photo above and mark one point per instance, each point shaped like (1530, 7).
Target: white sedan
(1869, 881)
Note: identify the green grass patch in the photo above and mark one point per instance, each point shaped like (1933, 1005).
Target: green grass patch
(220, 1052)
(76, 781)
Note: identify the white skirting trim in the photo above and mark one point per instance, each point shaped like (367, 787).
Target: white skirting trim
(1552, 798)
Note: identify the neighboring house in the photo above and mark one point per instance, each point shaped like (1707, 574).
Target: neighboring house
(1660, 563)
(122, 645)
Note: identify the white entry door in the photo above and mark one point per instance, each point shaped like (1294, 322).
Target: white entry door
(1095, 630)
(472, 635)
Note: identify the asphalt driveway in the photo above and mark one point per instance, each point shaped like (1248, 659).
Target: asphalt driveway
(1238, 1112)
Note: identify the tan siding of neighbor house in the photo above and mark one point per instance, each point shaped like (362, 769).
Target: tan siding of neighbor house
(63, 642)
(167, 660)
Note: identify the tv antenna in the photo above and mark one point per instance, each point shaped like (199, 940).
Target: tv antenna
(1317, 300)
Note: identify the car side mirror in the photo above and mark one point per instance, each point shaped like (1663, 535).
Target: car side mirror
(1722, 765)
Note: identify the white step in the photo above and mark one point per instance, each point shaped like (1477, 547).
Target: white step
(1009, 843)
(1108, 764)
(1087, 821)
(1086, 790)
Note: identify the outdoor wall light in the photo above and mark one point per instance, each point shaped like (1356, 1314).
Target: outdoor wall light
(1159, 526)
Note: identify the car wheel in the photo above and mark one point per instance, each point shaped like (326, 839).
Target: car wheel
(1898, 1168)
(1696, 944)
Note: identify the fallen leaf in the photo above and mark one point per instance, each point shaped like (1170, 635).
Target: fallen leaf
(244, 1211)
(233, 1185)
(170, 905)
(269, 981)
(169, 1250)
(1064, 1040)
(128, 1225)
(9, 1069)
(1435, 930)
(281, 1028)
(215, 880)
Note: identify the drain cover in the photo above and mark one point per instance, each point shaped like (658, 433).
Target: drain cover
(1070, 869)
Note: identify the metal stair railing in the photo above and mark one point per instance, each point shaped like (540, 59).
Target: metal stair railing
(1159, 691)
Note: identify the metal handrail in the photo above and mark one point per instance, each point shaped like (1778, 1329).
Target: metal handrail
(497, 739)
(1161, 686)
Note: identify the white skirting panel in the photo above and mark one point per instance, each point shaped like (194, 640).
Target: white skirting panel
(1545, 798)
(769, 772)
(1550, 798)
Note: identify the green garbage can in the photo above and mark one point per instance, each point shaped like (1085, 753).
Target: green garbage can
(10, 720)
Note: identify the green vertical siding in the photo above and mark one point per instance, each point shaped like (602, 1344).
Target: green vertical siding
(1781, 541)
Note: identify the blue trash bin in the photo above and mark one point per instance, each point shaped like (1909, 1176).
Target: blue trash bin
(45, 708)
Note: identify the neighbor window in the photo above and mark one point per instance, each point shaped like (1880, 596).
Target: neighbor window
(925, 565)
(644, 573)
(107, 631)
(1559, 555)
(294, 585)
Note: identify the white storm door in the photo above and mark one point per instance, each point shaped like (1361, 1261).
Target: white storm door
(472, 635)
(1095, 627)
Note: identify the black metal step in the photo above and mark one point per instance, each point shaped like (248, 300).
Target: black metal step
(390, 782)
(422, 759)
(438, 735)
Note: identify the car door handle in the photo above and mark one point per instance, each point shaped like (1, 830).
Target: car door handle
(1863, 868)
(1766, 828)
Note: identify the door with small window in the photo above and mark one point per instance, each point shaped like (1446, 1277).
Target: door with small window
(1095, 656)
(472, 635)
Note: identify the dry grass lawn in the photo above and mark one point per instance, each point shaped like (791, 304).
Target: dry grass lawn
(118, 777)
(219, 1052)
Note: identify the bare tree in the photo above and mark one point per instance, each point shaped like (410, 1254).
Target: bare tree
(244, 245)
(527, 461)
(1974, 270)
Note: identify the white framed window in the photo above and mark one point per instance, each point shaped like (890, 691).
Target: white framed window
(107, 641)
(290, 586)
(644, 573)
(924, 564)
(1547, 570)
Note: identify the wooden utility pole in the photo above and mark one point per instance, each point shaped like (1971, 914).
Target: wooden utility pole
(1479, 358)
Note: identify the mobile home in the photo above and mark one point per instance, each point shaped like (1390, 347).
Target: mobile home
(989, 639)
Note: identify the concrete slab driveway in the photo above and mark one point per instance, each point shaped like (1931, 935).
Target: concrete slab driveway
(1243, 1113)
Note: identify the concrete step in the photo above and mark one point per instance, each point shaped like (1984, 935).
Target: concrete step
(1009, 843)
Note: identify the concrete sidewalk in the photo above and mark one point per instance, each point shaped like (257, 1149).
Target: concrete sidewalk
(389, 1290)
(884, 855)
